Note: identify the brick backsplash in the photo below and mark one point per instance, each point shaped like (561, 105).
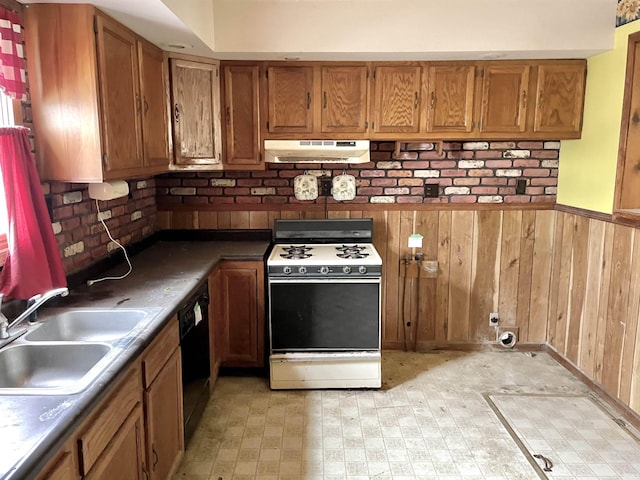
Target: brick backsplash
(81, 238)
(466, 172)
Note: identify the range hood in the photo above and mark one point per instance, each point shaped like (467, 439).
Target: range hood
(316, 151)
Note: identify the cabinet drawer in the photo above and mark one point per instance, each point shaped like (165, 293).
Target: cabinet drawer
(157, 354)
(110, 415)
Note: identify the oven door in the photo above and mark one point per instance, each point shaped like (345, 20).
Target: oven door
(324, 314)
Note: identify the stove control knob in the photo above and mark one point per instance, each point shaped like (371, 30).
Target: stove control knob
(324, 270)
(287, 270)
(302, 270)
(346, 269)
(362, 269)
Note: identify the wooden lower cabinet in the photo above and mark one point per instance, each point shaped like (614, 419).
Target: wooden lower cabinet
(124, 457)
(238, 313)
(163, 419)
(162, 378)
(64, 465)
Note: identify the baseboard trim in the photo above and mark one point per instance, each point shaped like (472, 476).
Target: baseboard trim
(615, 403)
(426, 347)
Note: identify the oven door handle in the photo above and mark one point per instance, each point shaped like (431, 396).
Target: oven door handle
(316, 356)
(324, 280)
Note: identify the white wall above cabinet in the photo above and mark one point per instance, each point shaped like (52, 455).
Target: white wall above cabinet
(370, 29)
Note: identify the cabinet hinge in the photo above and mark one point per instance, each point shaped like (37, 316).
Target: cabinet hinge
(217, 72)
(373, 125)
(482, 73)
(219, 157)
(266, 73)
(105, 160)
(366, 125)
(374, 73)
(95, 24)
(267, 124)
(367, 73)
(260, 156)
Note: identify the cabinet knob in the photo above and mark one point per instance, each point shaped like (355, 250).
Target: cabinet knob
(176, 112)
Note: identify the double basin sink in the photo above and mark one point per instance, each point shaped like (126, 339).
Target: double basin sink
(68, 350)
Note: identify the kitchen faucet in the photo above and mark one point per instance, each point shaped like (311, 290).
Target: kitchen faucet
(33, 304)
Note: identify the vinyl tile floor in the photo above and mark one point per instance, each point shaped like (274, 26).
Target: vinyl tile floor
(437, 416)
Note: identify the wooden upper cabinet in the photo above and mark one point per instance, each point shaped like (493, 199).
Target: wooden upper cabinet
(195, 99)
(450, 98)
(154, 106)
(505, 90)
(290, 92)
(344, 99)
(119, 96)
(560, 98)
(85, 76)
(396, 99)
(241, 117)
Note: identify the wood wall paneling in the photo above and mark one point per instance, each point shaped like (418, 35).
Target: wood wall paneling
(561, 278)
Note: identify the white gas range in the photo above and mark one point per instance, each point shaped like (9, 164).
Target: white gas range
(324, 305)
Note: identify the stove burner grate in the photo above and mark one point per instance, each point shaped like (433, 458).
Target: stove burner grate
(296, 252)
(352, 251)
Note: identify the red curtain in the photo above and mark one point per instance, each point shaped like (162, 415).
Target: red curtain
(33, 264)
(12, 63)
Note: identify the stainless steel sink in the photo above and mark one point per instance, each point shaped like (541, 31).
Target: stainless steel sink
(51, 368)
(89, 325)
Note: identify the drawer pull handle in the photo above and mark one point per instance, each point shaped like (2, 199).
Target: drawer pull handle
(176, 112)
(308, 100)
(415, 101)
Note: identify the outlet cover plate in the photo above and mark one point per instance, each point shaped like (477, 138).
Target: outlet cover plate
(431, 190)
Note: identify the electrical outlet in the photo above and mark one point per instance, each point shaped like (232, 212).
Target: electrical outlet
(325, 187)
(494, 319)
(431, 190)
(521, 186)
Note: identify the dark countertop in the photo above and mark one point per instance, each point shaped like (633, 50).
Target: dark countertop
(34, 427)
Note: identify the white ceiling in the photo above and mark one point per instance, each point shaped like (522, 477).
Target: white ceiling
(370, 29)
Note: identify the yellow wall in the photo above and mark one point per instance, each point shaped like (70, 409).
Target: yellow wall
(588, 166)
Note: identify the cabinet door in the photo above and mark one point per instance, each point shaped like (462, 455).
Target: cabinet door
(242, 131)
(396, 107)
(290, 99)
(504, 98)
(119, 97)
(344, 99)
(154, 105)
(195, 92)
(64, 466)
(124, 457)
(163, 402)
(560, 98)
(450, 98)
(240, 317)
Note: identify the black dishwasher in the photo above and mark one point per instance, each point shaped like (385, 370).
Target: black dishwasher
(194, 342)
